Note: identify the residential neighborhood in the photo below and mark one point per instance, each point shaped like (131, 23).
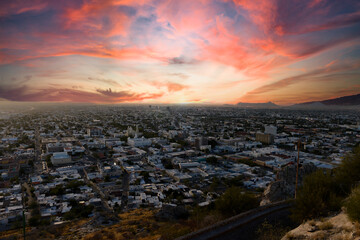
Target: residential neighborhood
(61, 163)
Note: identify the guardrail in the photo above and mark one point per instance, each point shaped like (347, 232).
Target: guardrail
(236, 221)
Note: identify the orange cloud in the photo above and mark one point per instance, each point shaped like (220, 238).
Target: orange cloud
(249, 44)
(330, 72)
(171, 86)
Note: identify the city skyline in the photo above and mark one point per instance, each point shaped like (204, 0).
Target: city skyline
(179, 51)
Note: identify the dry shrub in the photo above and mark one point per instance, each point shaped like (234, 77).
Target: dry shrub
(321, 235)
(312, 222)
(352, 205)
(326, 226)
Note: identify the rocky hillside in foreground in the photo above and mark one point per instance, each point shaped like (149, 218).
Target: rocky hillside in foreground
(353, 100)
(338, 227)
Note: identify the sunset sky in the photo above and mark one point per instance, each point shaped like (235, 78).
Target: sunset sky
(179, 51)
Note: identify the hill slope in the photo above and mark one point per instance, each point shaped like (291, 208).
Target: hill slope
(257, 105)
(352, 100)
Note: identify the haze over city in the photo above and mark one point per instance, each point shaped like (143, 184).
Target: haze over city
(179, 119)
(146, 51)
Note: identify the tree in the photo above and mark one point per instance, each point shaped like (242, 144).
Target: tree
(214, 184)
(107, 178)
(167, 163)
(213, 143)
(33, 205)
(78, 210)
(21, 171)
(74, 185)
(234, 201)
(212, 160)
(323, 191)
(352, 205)
(347, 175)
(145, 174)
(316, 197)
(235, 181)
(34, 220)
(58, 190)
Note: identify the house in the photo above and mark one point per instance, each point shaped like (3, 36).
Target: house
(59, 158)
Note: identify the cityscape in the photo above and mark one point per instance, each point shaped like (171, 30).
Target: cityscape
(180, 120)
(61, 163)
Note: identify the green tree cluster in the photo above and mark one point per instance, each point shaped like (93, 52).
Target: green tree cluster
(325, 191)
(58, 190)
(235, 201)
(212, 160)
(78, 210)
(352, 205)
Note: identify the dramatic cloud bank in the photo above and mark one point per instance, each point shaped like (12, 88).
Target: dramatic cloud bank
(170, 51)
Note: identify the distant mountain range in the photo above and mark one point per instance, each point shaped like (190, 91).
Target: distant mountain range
(257, 105)
(346, 101)
(353, 100)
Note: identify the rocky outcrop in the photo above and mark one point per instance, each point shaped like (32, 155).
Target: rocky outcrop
(333, 228)
(284, 187)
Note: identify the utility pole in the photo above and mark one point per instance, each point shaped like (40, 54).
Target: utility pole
(24, 224)
(297, 168)
(23, 211)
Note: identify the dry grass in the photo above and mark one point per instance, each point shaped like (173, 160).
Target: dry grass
(312, 222)
(16, 234)
(140, 224)
(357, 229)
(290, 236)
(46, 232)
(319, 236)
(137, 224)
(326, 226)
(347, 236)
(347, 228)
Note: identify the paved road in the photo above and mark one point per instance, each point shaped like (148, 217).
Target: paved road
(38, 164)
(244, 226)
(249, 230)
(101, 194)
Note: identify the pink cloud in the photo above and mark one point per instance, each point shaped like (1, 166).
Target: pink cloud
(326, 74)
(171, 86)
(257, 38)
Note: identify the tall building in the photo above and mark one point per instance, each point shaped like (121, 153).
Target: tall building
(200, 141)
(270, 129)
(131, 133)
(94, 131)
(55, 147)
(265, 138)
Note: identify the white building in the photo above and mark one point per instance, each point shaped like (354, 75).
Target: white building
(189, 165)
(60, 158)
(139, 142)
(94, 131)
(271, 130)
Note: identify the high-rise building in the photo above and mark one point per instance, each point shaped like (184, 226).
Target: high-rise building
(265, 138)
(94, 131)
(270, 129)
